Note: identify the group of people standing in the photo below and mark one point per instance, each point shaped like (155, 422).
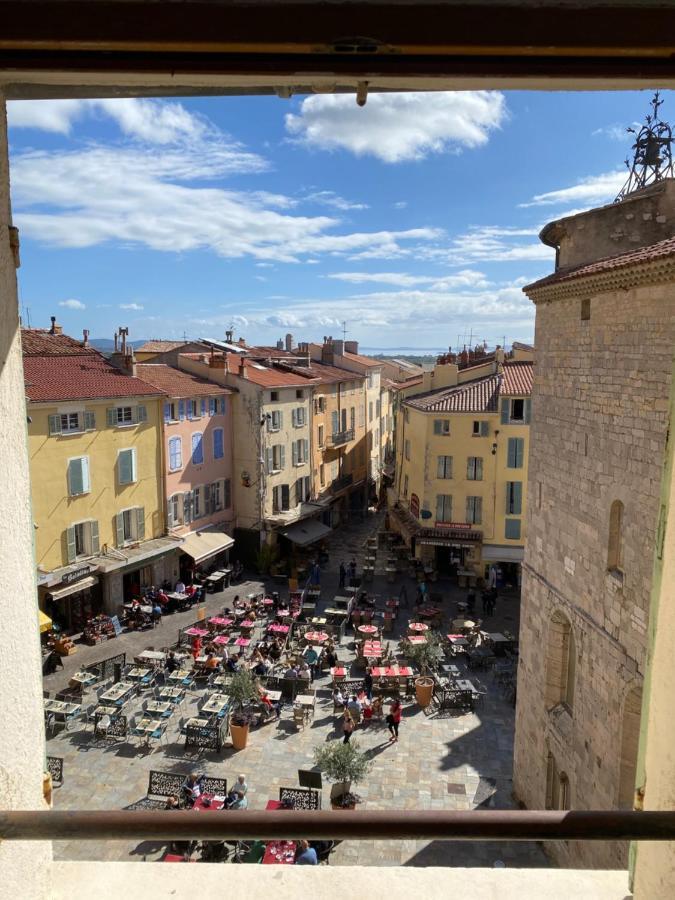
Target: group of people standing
(360, 708)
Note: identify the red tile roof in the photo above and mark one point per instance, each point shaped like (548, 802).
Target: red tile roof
(177, 383)
(160, 346)
(39, 342)
(270, 377)
(633, 257)
(517, 379)
(364, 360)
(80, 377)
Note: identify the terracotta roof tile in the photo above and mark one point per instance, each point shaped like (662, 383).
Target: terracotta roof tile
(475, 396)
(80, 377)
(161, 346)
(517, 379)
(177, 383)
(39, 342)
(643, 254)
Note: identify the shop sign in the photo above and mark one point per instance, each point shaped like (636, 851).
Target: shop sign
(415, 506)
(448, 531)
(70, 577)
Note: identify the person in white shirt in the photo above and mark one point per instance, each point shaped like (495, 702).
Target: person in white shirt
(180, 587)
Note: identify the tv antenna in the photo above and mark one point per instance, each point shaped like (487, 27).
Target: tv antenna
(344, 331)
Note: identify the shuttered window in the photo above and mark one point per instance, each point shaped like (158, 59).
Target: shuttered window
(82, 540)
(474, 510)
(275, 420)
(444, 468)
(514, 498)
(175, 454)
(516, 448)
(197, 511)
(187, 507)
(197, 449)
(213, 406)
(126, 466)
(474, 468)
(443, 508)
(218, 444)
(512, 529)
(442, 426)
(78, 476)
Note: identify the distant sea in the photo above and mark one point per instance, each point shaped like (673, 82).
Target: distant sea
(396, 351)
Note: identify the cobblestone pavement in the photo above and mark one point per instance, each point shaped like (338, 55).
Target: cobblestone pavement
(461, 762)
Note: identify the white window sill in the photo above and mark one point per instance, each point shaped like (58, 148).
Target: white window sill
(81, 494)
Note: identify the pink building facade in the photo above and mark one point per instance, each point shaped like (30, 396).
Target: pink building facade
(197, 457)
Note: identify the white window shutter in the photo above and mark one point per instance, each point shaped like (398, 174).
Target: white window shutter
(269, 452)
(55, 424)
(281, 419)
(86, 485)
(305, 445)
(282, 456)
(93, 533)
(140, 523)
(111, 415)
(119, 529)
(142, 413)
(89, 421)
(295, 452)
(134, 466)
(70, 544)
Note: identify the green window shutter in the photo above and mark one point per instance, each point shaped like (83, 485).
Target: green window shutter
(439, 508)
(294, 417)
(512, 529)
(70, 544)
(479, 468)
(511, 454)
(270, 459)
(484, 428)
(438, 425)
(75, 477)
(119, 529)
(519, 449)
(187, 507)
(125, 466)
(140, 523)
(478, 511)
(506, 406)
(95, 542)
(517, 498)
(111, 415)
(507, 502)
(305, 445)
(55, 424)
(527, 411)
(282, 457)
(89, 421)
(142, 413)
(469, 468)
(294, 448)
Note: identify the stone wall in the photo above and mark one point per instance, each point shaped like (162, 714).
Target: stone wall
(598, 433)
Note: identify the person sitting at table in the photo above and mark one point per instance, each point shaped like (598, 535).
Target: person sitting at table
(291, 672)
(171, 663)
(262, 693)
(162, 597)
(368, 683)
(377, 708)
(275, 650)
(330, 657)
(304, 674)
(180, 586)
(189, 590)
(212, 662)
(192, 787)
(306, 855)
(240, 789)
(232, 664)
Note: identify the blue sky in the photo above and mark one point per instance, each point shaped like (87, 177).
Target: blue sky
(413, 219)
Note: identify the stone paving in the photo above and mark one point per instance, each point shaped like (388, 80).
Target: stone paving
(462, 762)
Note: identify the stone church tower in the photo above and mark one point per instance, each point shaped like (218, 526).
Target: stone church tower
(605, 326)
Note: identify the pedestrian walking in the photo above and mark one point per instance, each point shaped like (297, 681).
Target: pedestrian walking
(343, 575)
(394, 719)
(485, 598)
(352, 572)
(368, 683)
(347, 726)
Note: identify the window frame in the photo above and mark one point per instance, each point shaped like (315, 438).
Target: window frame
(442, 427)
(134, 466)
(200, 444)
(443, 501)
(175, 439)
(444, 463)
(85, 474)
(221, 433)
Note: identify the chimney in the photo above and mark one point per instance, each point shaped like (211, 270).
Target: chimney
(242, 368)
(289, 343)
(351, 346)
(85, 335)
(327, 357)
(55, 329)
(116, 337)
(229, 336)
(499, 354)
(338, 348)
(123, 357)
(241, 342)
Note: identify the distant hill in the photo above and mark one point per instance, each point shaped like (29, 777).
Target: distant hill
(418, 360)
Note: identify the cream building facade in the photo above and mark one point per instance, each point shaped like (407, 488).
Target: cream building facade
(604, 337)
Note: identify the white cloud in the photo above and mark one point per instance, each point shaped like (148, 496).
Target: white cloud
(330, 198)
(72, 304)
(488, 243)
(153, 121)
(400, 204)
(141, 195)
(132, 306)
(397, 127)
(613, 132)
(591, 191)
(466, 278)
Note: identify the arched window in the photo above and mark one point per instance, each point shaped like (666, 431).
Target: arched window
(630, 738)
(615, 543)
(560, 663)
(557, 785)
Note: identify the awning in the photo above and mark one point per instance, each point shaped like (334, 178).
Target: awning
(129, 559)
(306, 532)
(45, 622)
(203, 544)
(73, 588)
(502, 554)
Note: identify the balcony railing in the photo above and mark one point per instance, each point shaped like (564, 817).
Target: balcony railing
(341, 437)
(339, 484)
(492, 825)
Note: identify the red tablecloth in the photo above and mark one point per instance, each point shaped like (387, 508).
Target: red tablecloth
(247, 623)
(196, 632)
(418, 626)
(283, 612)
(429, 611)
(338, 671)
(392, 671)
(222, 639)
(278, 629)
(316, 637)
(368, 629)
(273, 804)
(288, 857)
(220, 620)
(242, 642)
(214, 804)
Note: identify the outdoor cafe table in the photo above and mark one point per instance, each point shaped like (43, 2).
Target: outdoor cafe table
(392, 671)
(181, 675)
(178, 596)
(282, 613)
(462, 684)
(221, 622)
(372, 649)
(417, 639)
(118, 693)
(247, 623)
(208, 802)
(222, 639)
(267, 601)
(139, 673)
(316, 637)
(147, 727)
(83, 678)
(196, 632)
(450, 670)
(367, 629)
(274, 696)
(216, 704)
(107, 711)
(62, 708)
(418, 626)
(338, 672)
(159, 708)
(463, 624)
(392, 604)
(428, 612)
(280, 853)
(151, 656)
(172, 694)
(318, 620)
(276, 628)
(242, 642)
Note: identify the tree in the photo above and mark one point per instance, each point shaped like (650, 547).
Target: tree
(241, 689)
(342, 763)
(425, 656)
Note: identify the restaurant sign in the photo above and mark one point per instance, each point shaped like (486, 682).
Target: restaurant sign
(70, 577)
(450, 531)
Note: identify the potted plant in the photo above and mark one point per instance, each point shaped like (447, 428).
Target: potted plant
(241, 690)
(343, 764)
(425, 656)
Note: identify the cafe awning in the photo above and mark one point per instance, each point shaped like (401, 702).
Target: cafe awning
(307, 532)
(74, 587)
(494, 553)
(45, 622)
(203, 544)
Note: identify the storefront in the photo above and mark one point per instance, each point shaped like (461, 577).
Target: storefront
(503, 566)
(204, 551)
(454, 548)
(125, 573)
(71, 596)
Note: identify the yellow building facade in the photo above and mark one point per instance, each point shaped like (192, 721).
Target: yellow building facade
(461, 467)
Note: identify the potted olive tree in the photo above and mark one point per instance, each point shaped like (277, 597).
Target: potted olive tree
(425, 657)
(343, 764)
(241, 690)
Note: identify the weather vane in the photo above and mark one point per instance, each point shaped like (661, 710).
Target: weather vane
(652, 153)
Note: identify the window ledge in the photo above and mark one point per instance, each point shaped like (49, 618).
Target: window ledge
(616, 577)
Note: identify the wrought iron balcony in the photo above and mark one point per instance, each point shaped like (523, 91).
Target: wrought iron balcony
(341, 437)
(339, 484)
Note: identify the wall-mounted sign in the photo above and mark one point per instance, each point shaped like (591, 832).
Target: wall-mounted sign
(70, 577)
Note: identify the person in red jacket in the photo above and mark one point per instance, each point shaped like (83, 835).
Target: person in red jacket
(394, 719)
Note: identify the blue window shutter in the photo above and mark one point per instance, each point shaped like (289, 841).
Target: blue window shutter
(517, 497)
(125, 467)
(520, 444)
(527, 411)
(197, 449)
(507, 507)
(511, 454)
(181, 409)
(203, 406)
(218, 450)
(512, 529)
(484, 429)
(212, 406)
(222, 405)
(506, 406)
(167, 412)
(111, 413)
